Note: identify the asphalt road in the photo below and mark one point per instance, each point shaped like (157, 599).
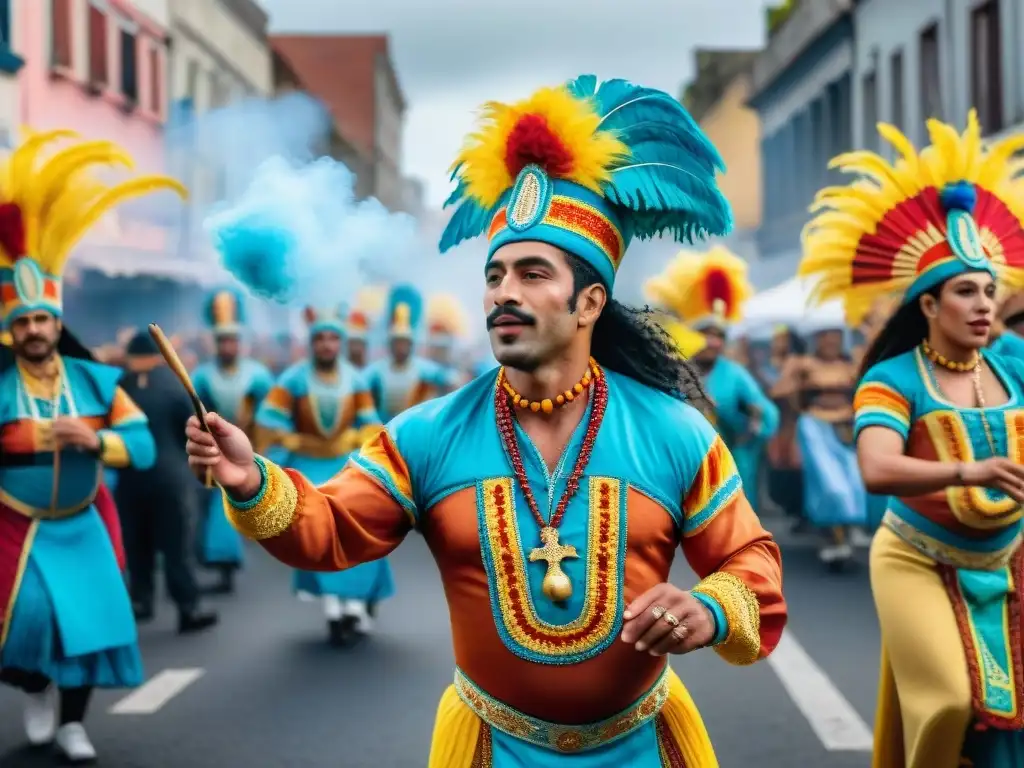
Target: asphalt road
(264, 690)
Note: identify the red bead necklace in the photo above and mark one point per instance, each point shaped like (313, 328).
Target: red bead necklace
(556, 585)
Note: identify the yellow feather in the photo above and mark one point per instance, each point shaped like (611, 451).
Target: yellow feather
(444, 311)
(481, 163)
(681, 288)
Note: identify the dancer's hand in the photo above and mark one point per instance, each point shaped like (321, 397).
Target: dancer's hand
(997, 473)
(666, 619)
(227, 452)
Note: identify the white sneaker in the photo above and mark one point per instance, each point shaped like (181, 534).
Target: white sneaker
(41, 717)
(357, 610)
(74, 742)
(333, 608)
(835, 553)
(860, 538)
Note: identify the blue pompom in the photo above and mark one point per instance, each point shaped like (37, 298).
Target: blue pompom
(959, 196)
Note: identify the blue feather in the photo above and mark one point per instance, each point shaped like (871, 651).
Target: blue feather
(959, 196)
(406, 294)
(469, 220)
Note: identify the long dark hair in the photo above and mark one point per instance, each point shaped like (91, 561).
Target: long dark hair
(627, 340)
(900, 334)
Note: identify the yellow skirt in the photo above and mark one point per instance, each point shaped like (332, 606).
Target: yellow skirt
(458, 730)
(924, 693)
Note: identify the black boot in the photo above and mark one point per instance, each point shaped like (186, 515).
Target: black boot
(196, 621)
(143, 612)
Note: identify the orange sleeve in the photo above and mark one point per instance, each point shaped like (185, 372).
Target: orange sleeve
(361, 514)
(738, 561)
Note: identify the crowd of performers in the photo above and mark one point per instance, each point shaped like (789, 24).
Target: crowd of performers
(554, 490)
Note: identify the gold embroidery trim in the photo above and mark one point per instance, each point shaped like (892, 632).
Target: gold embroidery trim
(518, 615)
(742, 610)
(946, 553)
(273, 514)
(563, 738)
(952, 443)
(19, 575)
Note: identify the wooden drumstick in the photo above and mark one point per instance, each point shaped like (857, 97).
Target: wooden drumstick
(178, 367)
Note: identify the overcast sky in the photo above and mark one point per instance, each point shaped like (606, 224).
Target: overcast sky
(452, 55)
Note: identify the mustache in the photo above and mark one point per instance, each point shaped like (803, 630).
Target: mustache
(510, 311)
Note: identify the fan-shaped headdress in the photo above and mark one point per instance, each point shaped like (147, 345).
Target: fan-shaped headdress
(586, 167)
(225, 312)
(903, 228)
(405, 308)
(47, 206)
(703, 290)
(368, 305)
(446, 319)
(329, 319)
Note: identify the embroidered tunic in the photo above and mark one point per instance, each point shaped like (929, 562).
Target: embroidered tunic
(394, 389)
(659, 478)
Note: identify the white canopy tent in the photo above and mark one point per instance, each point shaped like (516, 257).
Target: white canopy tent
(787, 304)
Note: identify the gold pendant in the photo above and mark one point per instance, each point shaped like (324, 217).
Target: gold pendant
(557, 586)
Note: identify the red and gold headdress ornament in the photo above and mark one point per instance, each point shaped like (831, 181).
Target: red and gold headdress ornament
(368, 305)
(47, 206)
(903, 228)
(586, 167)
(703, 290)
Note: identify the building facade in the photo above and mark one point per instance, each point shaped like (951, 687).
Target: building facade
(100, 67)
(11, 63)
(802, 89)
(922, 59)
(367, 105)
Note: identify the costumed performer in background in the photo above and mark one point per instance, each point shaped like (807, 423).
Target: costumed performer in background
(366, 309)
(402, 379)
(446, 325)
(319, 411)
(232, 385)
(525, 482)
(707, 293)
(67, 624)
(1010, 326)
(939, 429)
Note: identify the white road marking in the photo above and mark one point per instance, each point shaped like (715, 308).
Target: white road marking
(830, 715)
(156, 692)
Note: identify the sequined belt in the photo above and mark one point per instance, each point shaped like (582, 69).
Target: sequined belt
(37, 513)
(563, 738)
(947, 548)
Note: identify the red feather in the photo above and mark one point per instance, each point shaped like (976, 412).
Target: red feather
(532, 142)
(12, 230)
(358, 319)
(718, 286)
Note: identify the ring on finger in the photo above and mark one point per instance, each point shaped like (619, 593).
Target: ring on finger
(670, 619)
(657, 612)
(679, 633)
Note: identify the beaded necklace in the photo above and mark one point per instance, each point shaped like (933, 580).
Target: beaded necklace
(547, 404)
(557, 586)
(945, 362)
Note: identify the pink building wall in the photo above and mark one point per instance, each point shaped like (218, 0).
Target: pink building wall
(55, 96)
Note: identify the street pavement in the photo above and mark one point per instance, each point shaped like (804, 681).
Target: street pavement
(263, 690)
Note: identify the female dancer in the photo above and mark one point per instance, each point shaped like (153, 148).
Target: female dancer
(939, 428)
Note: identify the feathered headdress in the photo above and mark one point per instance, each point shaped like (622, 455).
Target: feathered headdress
(688, 341)
(405, 308)
(47, 206)
(321, 319)
(703, 290)
(446, 319)
(903, 228)
(369, 304)
(586, 167)
(225, 312)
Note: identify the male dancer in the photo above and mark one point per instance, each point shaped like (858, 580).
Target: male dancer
(402, 379)
(318, 412)
(233, 386)
(446, 323)
(66, 624)
(357, 343)
(555, 490)
(158, 503)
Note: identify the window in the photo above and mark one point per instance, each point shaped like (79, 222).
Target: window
(896, 95)
(98, 74)
(986, 66)
(156, 81)
(129, 65)
(869, 90)
(931, 77)
(60, 34)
